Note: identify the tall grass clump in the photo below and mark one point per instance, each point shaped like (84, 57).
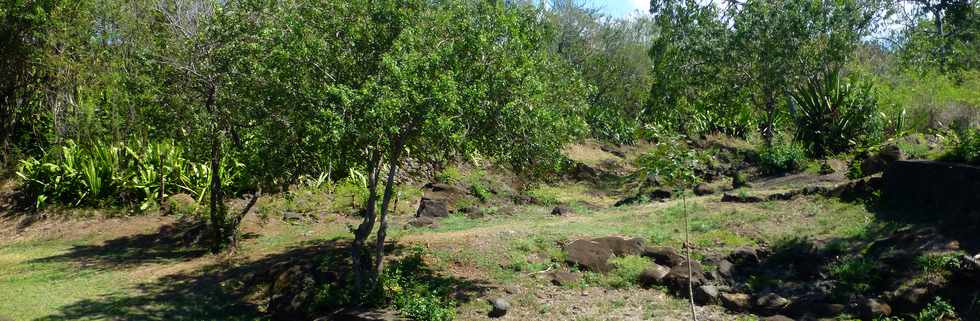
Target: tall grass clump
(834, 114)
(135, 173)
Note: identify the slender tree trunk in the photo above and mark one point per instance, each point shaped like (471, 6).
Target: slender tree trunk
(690, 269)
(361, 263)
(217, 197)
(389, 189)
(768, 129)
(937, 15)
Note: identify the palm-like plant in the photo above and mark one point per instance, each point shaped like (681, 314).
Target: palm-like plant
(834, 114)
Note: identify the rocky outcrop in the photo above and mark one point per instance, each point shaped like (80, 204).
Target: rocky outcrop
(934, 190)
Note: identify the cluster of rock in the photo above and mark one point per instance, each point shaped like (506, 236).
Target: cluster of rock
(798, 286)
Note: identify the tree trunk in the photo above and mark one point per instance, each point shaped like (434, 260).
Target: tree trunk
(768, 130)
(389, 189)
(937, 15)
(362, 264)
(217, 196)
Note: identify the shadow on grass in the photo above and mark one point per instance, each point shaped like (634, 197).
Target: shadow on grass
(232, 289)
(179, 241)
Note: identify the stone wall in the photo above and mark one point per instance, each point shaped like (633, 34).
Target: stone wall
(934, 190)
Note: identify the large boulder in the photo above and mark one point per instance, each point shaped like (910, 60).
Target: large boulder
(432, 208)
(944, 191)
(620, 246)
(589, 255)
(499, 307)
(663, 255)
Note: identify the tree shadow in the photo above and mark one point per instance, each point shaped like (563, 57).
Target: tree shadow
(180, 241)
(232, 289)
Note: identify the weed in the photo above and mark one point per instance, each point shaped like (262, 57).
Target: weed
(938, 309)
(449, 175)
(855, 274)
(626, 270)
(938, 263)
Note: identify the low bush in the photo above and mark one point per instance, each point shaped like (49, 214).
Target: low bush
(964, 147)
(782, 157)
(854, 274)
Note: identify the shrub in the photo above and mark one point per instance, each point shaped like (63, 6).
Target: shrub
(855, 274)
(672, 163)
(938, 309)
(448, 175)
(117, 174)
(782, 157)
(964, 147)
(408, 284)
(833, 115)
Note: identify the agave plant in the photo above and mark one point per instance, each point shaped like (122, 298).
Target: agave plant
(833, 114)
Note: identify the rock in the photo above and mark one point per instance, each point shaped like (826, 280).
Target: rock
(422, 221)
(432, 208)
(589, 255)
(620, 246)
(706, 294)
(292, 216)
(771, 303)
(663, 255)
(653, 275)
(679, 277)
(725, 269)
(474, 212)
(738, 302)
(872, 308)
(561, 210)
(969, 269)
(817, 305)
(179, 204)
(732, 198)
(877, 163)
(703, 189)
(934, 190)
(612, 150)
(526, 200)
(778, 318)
(744, 256)
(655, 195)
(561, 278)
(910, 299)
(583, 172)
(498, 307)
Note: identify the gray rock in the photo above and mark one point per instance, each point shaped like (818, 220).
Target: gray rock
(422, 221)
(499, 307)
(706, 294)
(680, 276)
(561, 278)
(292, 216)
(589, 255)
(703, 189)
(771, 303)
(738, 302)
(744, 255)
(777, 318)
(620, 246)
(432, 208)
(872, 308)
(725, 268)
(663, 255)
(653, 275)
(561, 210)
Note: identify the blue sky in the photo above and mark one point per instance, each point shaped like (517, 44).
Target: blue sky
(619, 8)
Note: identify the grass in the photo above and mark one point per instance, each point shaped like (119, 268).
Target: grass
(30, 287)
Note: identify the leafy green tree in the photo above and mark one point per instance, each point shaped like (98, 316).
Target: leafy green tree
(429, 80)
(943, 34)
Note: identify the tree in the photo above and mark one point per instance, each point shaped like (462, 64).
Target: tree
(942, 33)
(429, 80)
